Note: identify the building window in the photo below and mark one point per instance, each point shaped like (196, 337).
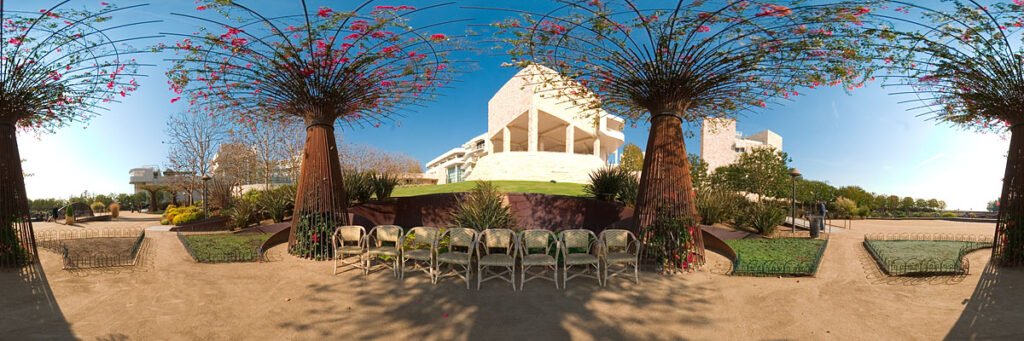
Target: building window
(455, 174)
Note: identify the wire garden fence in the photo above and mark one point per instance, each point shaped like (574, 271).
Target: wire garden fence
(946, 256)
(771, 267)
(206, 252)
(81, 249)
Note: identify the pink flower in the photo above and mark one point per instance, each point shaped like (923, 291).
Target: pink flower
(324, 12)
(200, 8)
(104, 3)
(14, 41)
(703, 28)
(774, 11)
(438, 37)
(239, 42)
(175, 99)
(1018, 2)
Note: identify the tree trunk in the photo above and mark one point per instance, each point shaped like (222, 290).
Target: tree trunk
(17, 241)
(1008, 247)
(321, 204)
(666, 190)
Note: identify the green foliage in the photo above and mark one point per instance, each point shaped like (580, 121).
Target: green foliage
(483, 208)
(794, 256)
(762, 171)
(717, 205)
(313, 236)
(275, 203)
(358, 186)
(243, 214)
(629, 190)
(188, 217)
(670, 241)
(632, 158)
(812, 191)
(762, 217)
(948, 215)
(698, 172)
(992, 206)
(607, 183)
(98, 207)
(219, 248)
(860, 197)
(845, 207)
(383, 184)
(11, 251)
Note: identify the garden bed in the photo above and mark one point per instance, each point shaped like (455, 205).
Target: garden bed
(223, 247)
(924, 254)
(95, 248)
(777, 256)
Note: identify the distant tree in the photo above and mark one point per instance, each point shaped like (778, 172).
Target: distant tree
(933, 204)
(762, 171)
(271, 143)
(881, 202)
(921, 204)
(892, 202)
(811, 191)
(633, 158)
(193, 138)
(361, 157)
(845, 207)
(236, 163)
(699, 172)
(993, 206)
(907, 204)
(858, 195)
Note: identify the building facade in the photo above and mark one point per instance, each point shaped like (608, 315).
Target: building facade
(721, 144)
(533, 135)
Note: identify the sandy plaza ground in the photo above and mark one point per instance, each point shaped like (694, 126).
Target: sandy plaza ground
(168, 296)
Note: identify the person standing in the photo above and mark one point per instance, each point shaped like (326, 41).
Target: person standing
(823, 212)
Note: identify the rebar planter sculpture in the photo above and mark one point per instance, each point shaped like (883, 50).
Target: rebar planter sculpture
(324, 66)
(58, 66)
(686, 61)
(964, 65)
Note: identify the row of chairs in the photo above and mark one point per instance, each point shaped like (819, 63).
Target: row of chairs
(496, 251)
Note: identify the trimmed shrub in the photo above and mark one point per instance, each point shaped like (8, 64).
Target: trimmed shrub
(172, 214)
(188, 217)
(607, 183)
(761, 217)
(98, 207)
(483, 208)
(383, 184)
(718, 205)
(69, 215)
(949, 215)
(115, 210)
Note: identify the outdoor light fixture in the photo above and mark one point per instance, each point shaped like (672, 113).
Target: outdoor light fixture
(793, 173)
(206, 193)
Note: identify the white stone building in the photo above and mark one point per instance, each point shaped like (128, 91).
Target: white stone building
(721, 144)
(533, 135)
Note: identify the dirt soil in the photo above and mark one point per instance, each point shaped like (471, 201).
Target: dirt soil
(169, 296)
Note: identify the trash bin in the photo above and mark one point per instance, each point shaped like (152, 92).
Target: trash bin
(816, 222)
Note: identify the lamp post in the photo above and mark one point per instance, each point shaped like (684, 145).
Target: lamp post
(206, 196)
(793, 173)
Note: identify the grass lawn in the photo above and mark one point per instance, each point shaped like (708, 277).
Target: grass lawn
(899, 257)
(778, 256)
(222, 248)
(569, 189)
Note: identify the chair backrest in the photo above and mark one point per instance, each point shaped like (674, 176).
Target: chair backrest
(616, 239)
(537, 239)
(351, 233)
(423, 235)
(461, 237)
(577, 239)
(498, 239)
(387, 233)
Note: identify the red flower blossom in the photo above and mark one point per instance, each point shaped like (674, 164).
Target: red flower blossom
(703, 28)
(324, 12)
(201, 8)
(438, 37)
(14, 41)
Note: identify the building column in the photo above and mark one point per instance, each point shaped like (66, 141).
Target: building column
(533, 135)
(570, 139)
(597, 145)
(506, 140)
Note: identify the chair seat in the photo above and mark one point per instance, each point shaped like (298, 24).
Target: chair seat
(497, 260)
(620, 257)
(418, 254)
(539, 259)
(454, 257)
(350, 250)
(580, 259)
(384, 250)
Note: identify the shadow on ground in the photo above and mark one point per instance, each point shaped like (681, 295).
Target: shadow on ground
(28, 308)
(996, 309)
(621, 311)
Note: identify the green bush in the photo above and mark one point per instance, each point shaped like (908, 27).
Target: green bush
(164, 221)
(717, 205)
(188, 217)
(243, 214)
(172, 213)
(358, 186)
(383, 184)
(98, 207)
(606, 183)
(761, 217)
(483, 208)
(276, 203)
(949, 215)
(670, 241)
(11, 251)
(630, 188)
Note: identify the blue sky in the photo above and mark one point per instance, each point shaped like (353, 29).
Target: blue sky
(864, 139)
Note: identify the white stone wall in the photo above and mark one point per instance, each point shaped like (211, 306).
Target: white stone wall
(536, 166)
(717, 140)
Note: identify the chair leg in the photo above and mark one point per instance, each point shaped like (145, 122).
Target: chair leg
(512, 270)
(522, 276)
(565, 274)
(636, 272)
(479, 274)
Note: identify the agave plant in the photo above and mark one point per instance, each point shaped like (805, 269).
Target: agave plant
(383, 184)
(483, 208)
(606, 183)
